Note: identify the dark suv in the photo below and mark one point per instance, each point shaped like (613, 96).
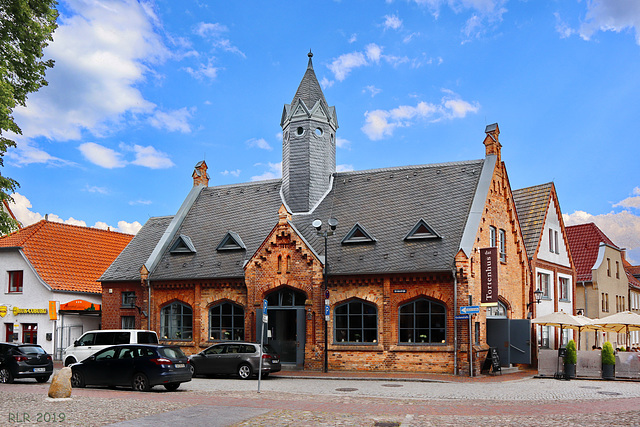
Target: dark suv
(24, 361)
(241, 358)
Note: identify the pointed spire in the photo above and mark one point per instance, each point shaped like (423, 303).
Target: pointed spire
(310, 64)
(309, 90)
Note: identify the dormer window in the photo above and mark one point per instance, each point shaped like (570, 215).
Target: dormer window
(358, 235)
(183, 245)
(231, 242)
(422, 231)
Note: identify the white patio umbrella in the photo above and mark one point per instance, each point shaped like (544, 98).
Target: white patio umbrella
(564, 320)
(625, 321)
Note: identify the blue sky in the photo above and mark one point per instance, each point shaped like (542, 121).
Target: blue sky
(142, 91)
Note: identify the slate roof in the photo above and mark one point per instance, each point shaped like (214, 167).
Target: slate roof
(531, 205)
(388, 203)
(127, 265)
(309, 89)
(68, 257)
(584, 242)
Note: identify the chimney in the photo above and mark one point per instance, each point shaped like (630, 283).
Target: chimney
(200, 175)
(491, 141)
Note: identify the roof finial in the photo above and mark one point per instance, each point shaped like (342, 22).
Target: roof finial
(310, 55)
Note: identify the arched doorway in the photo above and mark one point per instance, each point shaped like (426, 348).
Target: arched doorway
(287, 325)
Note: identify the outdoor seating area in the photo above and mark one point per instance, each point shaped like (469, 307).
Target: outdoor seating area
(595, 363)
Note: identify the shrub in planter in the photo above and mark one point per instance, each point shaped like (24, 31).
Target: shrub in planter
(570, 359)
(608, 361)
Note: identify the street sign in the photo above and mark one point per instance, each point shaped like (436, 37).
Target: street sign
(470, 309)
(264, 306)
(327, 311)
(462, 316)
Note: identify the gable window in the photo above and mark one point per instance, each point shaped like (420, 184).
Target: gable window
(492, 237)
(128, 300)
(543, 284)
(231, 242)
(183, 245)
(551, 248)
(503, 245)
(226, 322)
(555, 242)
(358, 235)
(356, 322)
(420, 231)
(15, 281)
(422, 321)
(176, 322)
(563, 288)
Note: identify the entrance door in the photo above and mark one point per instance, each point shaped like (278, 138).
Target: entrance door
(287, 324)
(511, 338)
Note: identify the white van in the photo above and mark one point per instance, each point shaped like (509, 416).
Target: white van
(92, 341)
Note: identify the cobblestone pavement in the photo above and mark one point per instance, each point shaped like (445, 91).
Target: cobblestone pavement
(332, 402)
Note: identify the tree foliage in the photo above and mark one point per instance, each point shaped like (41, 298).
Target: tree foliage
(26, 28)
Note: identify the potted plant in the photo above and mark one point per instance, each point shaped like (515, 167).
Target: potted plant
(608, 361)
(570, 359)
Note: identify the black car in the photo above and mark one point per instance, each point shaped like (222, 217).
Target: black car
(139, 366)
(24, 361)
(241, 358)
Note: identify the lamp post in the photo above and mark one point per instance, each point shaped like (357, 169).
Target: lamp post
(537, 294)
(333, 223)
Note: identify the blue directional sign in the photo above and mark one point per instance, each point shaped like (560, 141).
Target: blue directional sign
(264, 306)
(462, 316)
(470, 309)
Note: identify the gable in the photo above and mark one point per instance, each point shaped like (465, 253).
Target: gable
(553, 247)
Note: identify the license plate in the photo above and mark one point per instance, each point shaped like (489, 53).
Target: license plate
(275, 361)
(179, 365)
(38, 369)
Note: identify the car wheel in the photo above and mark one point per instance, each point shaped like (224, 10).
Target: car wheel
(140, 382)
(6, 377)
(77, 379)
(192, 368)
(172, 386)
(245, 371)
(70, 361)
(43, 379)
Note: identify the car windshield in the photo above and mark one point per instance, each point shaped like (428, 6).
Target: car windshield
(30, 349)
(171, 352)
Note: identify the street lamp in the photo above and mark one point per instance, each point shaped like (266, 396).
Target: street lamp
(333, 223)
(538, 296)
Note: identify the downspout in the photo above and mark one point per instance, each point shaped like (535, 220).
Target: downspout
(149, 304)
(455, 323)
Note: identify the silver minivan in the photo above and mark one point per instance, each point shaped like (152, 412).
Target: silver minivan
(93, 341)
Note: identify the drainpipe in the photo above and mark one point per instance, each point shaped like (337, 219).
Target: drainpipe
(149, 304)
(455, 323)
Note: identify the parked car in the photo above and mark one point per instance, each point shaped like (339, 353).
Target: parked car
(92, 341)
(24, 361)
(241, 358)
(139, 366)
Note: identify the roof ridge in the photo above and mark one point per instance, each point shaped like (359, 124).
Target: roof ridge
(411, 167)
(23, 234)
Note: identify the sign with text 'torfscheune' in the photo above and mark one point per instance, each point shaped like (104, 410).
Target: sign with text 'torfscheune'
(489, 274)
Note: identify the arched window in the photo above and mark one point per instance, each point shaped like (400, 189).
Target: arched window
(288, 263)
(422, 321)
(176, 322)
(499, 311)
(356, 321)
(226, 322)
(279, 263)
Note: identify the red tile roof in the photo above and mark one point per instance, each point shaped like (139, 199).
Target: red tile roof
(584, 242)
(68, 257)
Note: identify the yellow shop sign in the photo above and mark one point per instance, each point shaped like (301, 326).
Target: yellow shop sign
(17, 311)
(3, 310)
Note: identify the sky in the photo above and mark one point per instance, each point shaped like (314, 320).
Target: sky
(141, 91)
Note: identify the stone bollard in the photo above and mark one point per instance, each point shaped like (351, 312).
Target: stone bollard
(61, 384)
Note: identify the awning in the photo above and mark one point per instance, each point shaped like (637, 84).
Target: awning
(80, 305)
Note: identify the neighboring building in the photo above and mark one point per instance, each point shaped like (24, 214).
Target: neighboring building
(633, 275)
(602, 287)
(402, 260)
(50, 271)
(550, 260)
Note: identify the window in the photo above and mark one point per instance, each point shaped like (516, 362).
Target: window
(226, 322)
(555, 241)
(543, 284)
(617, 270)
(288, 263)
(477, 334)
(544, 337)
(499, 311)
(605, 302)
(279, 264)
(492, 236)
(176, 322)
(15, 281)
(128, 322)
(422, 321)
(503, 245)
(355, 322)
(609, 267)
(563, 291)
(128, 300)
(30, 333)
(551, 248)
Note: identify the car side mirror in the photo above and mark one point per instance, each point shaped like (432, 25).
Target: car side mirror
(76, 343)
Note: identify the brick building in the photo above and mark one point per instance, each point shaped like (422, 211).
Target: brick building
(402, 260)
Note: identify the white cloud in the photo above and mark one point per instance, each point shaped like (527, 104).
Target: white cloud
(392, 22)
(102, 156)
(373, 52)
(21, 208)
(353, 38)
(259, 143)
(140, 202)
(235, 173)
(325, 83)
(342, 66)
(213, 32)
(562, 27)
(344, 168)
(630, 202)
(343, 143)
(208, 71)
(275, 171)
(109, 159)
(175, 120)
(96, 189)
(28, 152)
(372, 90)
(611, 15)
(380, 124)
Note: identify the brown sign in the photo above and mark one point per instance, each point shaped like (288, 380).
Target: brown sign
(489, 274)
